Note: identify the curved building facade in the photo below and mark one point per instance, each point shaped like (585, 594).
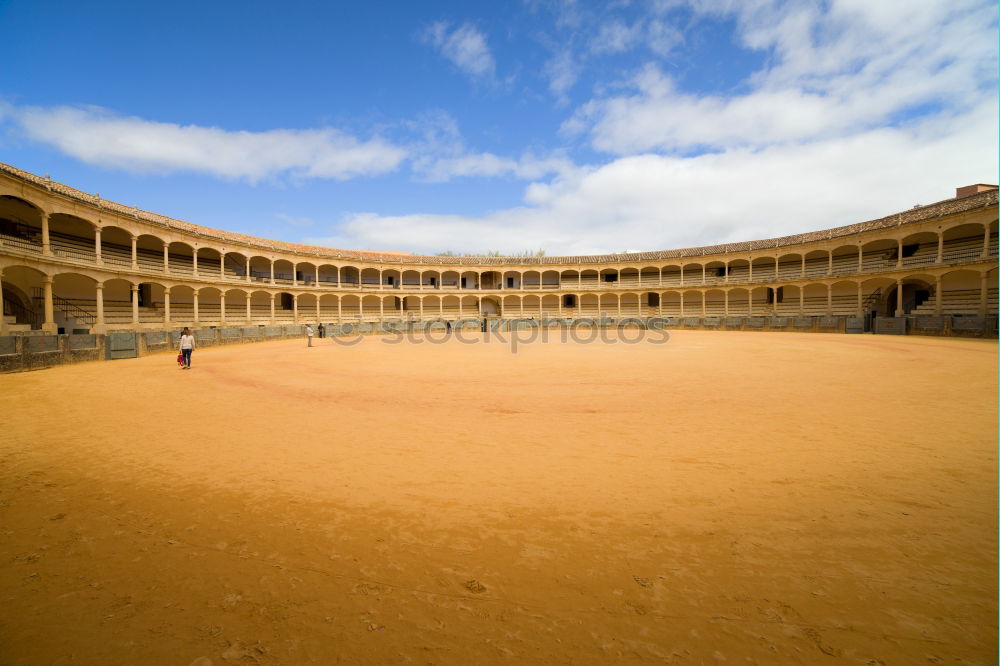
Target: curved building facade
(72, 262)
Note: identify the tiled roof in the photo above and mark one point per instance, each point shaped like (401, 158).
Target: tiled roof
(918, 214)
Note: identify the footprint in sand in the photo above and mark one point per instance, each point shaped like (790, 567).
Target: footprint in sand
(475, 586)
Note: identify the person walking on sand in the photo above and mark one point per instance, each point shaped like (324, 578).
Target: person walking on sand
(309, 334)
(187, 346)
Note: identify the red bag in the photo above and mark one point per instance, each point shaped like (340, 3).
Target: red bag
(180, 358)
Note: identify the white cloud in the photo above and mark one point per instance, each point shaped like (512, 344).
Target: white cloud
(615, 37)
(464, 46)
(647, 202)
(858, 66)
(562, 72)
(98, 136)
(488, 165)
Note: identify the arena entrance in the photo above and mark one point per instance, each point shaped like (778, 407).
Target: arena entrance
(914, 294)
(121, 344)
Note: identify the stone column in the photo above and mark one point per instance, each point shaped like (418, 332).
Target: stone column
(295, 275)
(750, 300)
(681, 294)
(222, 308)
(860, 311)
(166, 307)
(381, 307)
(899, 254)
(984, 285)
(703, 303)
(46, 246)
(249, 318)
(97, 246)
(272, 309)
(135, 253)
(196, 307)
(986, 241)
(135, 306)
(829, 300)
(295, 305)
(861, 262)
(937, 296)
(272, 271)
(194, 262)
(99, 324)
(319, 314)
(222, 265)
(421, 309)
(316, 284)
(899, 298)
(940, 254)
(247, 276)
(726, 302)
(50, 323)
(3, 321)
(702, 273)
(829, 269)
(166, 258)
(751, 270)
(803, 266)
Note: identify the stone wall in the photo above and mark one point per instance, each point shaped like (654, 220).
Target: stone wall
(34, 350)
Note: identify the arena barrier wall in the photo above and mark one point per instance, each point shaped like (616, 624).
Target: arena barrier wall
(33, 350)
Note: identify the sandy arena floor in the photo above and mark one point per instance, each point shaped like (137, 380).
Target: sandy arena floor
(726, 497)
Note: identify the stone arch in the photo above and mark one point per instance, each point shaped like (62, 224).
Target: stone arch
(629, 303)
(370, 277)
(715, 302)
(817, 263)
(328, 276)
(738, 270)
(692, 273)
(450, 279)
(790, 266)
(845, 259)
(180, 258)
(350, 276)
(73, 237)
(649, 276)
(490, 307)
(284, 272)
(670, 303)
(116, 246)
(628, 277)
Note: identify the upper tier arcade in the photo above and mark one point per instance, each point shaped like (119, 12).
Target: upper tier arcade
(70, 260)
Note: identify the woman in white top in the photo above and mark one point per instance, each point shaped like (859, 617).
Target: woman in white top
(187, 345)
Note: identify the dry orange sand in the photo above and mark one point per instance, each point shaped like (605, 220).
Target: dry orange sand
(727, 497)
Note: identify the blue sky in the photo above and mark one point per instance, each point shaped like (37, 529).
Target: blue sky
(568, 126)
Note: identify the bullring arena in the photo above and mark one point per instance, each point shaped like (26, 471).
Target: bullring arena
(780, 451)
